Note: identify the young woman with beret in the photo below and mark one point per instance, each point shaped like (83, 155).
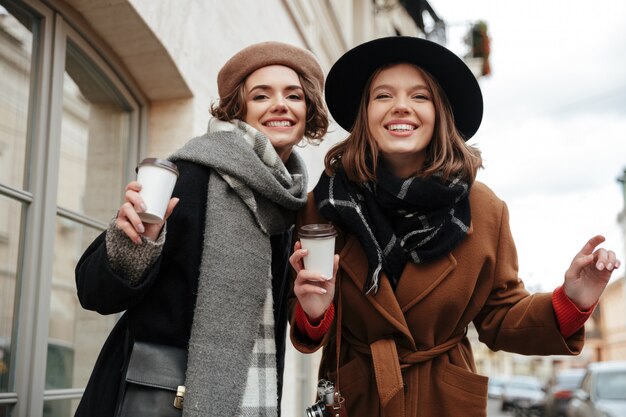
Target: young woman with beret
(423, 249)
(213, 278)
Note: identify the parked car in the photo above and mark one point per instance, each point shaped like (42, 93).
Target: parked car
(523, 393)
(560, 391)
(602, 392)
(496, 386)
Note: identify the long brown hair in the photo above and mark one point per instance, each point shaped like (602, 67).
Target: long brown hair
(233, 106)
(447, 152)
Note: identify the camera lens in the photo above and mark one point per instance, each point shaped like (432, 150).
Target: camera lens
(316, 410)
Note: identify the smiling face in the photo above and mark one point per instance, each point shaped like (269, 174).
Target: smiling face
(401, 118)
(275, 105)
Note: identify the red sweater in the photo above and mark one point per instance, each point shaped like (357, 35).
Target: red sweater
(570, 318)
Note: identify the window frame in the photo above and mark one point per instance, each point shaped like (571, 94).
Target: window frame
(57, 24)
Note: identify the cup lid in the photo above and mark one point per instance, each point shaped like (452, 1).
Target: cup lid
(163, 163)
(317, 230)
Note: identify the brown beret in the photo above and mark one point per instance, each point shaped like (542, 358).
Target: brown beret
(259, 55)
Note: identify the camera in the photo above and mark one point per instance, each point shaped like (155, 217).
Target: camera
(329, 402)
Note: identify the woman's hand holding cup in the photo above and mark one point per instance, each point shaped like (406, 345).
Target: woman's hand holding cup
(148, 200)
(313, 287)
(315, 292)
(128, 215)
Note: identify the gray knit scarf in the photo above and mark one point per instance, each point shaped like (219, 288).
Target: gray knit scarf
(251, 196)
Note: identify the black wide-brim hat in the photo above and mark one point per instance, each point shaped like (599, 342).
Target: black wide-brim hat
(347, 78)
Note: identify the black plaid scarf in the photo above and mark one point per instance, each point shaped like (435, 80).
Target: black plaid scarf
(395, 220)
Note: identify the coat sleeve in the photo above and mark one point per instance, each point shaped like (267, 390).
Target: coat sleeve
(102, 289)
(514, 320)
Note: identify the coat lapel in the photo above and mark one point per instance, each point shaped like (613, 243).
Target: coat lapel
(353, 261)
(417, 281)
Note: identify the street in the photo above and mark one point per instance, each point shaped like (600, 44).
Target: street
(493, 409)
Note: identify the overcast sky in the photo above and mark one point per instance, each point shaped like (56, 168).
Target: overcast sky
(553, 135)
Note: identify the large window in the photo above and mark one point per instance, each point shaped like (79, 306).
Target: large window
(69, 137)
(16, 66)
(16, 51)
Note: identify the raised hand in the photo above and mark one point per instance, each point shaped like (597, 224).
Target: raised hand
(589, 273)
(128, 219)
(315, 293)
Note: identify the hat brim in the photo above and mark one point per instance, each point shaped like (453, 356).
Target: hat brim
(346, 79)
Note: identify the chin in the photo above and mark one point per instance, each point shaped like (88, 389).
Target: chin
(283, 142)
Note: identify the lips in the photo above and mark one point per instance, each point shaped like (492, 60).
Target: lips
(400, 126)
(278, 123)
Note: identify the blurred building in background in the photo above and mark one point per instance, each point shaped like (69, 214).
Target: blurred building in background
(613, 308)
(613, 303)
(87, 89)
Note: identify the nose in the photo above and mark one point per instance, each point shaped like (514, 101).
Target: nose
(400, 107)
(278, 105)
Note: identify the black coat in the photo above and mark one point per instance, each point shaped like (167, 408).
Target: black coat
(160, 309)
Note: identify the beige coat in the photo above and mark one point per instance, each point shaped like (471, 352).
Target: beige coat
(405, 353)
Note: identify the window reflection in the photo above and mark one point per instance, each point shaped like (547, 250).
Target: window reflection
(10, 224)
(95, 134)
(5, 411)
(75, 335)
(16, 42)
(59, 408)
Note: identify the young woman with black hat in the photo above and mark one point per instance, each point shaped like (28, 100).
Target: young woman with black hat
(214, 281)
(423, 249)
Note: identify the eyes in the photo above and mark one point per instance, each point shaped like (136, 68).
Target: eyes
(266, 96)
(382, 96)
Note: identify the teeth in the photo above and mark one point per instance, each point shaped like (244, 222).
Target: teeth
(401, 127)
(282, 123)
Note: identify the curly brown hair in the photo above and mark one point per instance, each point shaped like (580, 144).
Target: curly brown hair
(233, 106)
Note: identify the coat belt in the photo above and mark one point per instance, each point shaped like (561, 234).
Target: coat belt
(388, 363)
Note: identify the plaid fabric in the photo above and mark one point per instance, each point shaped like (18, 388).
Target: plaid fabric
(266, 152)
(233, 280)
(396, 220)
(260, 399)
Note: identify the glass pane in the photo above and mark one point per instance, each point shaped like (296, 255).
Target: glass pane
(75, 335)
(16, 48)
(10, 224)
(612, 386)
(58, 408)
(5, 411)
(95, 134)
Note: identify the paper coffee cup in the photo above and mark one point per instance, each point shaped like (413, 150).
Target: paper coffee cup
(157, 178)
(319, 240)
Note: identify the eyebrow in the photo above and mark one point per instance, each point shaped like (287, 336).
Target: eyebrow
(390, 87)
(269, 87)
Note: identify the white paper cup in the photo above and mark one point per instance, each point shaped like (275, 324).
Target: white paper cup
(319, 240)
(157, 178)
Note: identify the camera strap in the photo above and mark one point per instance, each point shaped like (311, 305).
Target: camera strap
(339, 407)
(338, 334)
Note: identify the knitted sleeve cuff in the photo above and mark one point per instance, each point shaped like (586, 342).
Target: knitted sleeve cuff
(314, 332)
(128, 259)
(569, 317)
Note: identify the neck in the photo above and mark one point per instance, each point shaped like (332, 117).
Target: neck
(403, 166)
(284, 154)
